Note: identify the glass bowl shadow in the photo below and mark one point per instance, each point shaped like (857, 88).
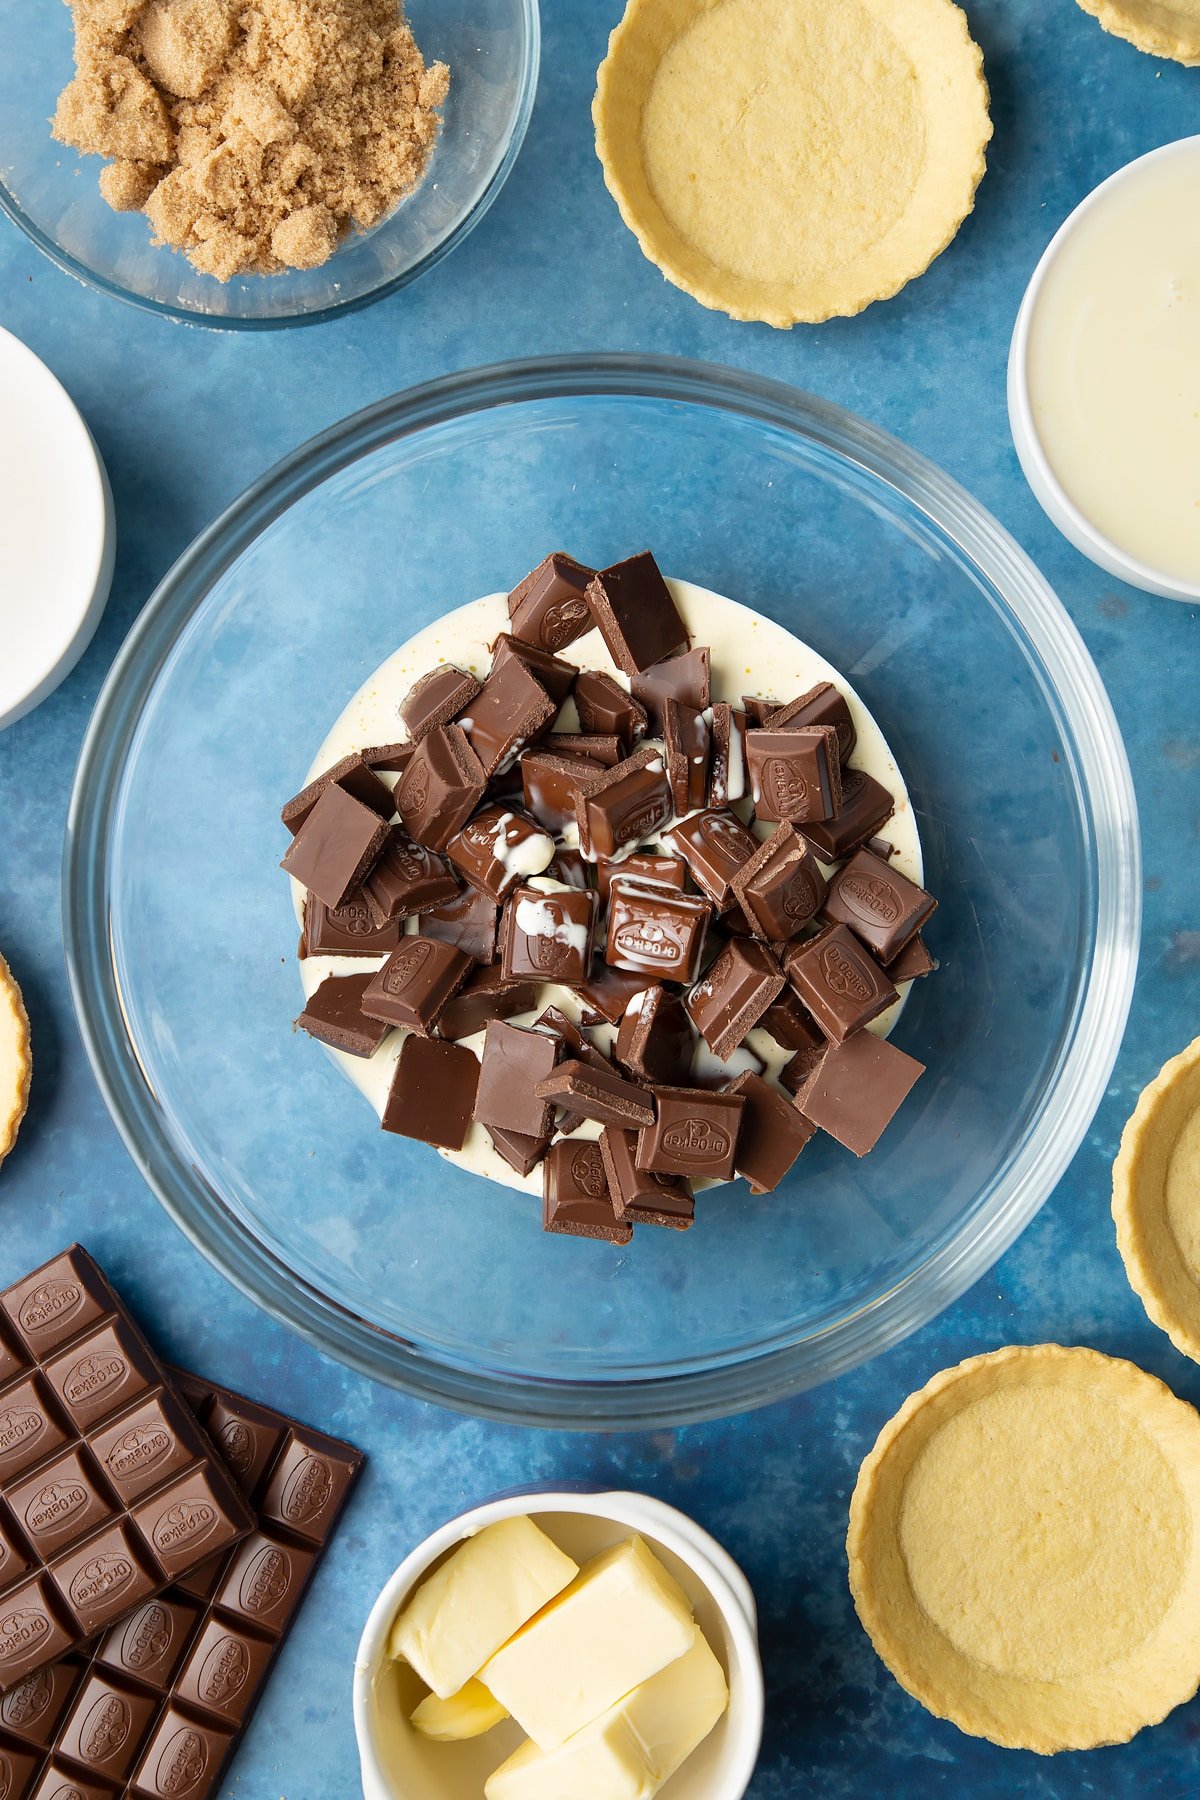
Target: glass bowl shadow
(52, 192)
(181, 936)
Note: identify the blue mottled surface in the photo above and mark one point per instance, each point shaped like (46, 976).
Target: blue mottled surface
(185, 419)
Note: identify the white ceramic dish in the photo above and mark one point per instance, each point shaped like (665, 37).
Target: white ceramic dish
(1039, 472)
(398, 1764)
(57, 532)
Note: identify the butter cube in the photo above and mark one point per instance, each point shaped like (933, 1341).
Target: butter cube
(621, 1620)
(467, 1714)
(631, 1750)
(484, 1592)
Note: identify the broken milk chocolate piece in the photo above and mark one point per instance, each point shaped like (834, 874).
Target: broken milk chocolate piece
(510, 712)
(791, 1024)
(599, 1094)
(353, 773)
(639, 1196)
(636, 613)
(432, 1096)
(795, 1073)
(646, 865)
(600, 747)
(555, 675)
(686, 741)
(514, 1062)
(435, 699)
(821, 705)
(485, 995)
(757, 709)
(654, 1038)
(857, 1089)
(781, 887)
(553, 784)
(794, 775)
(727, 764)
(470, 921)
(519, 1151)
(686, 678)
(333, 1014)
(716, 846)
(879, 904)
(772, 1135)
(866, 805)
(608, 991)
(605, 709)
(415, 983)
(337, 844)
(347, 930)
(654, 931)
(549, 608)
(549, 936)
(499, 848)
(734, 994)
(406, 879)
(568, 868)
(441, 787)
(914, 961)
(391, 758)
(694, 1133)
(576, 1199)
(839, 981)
(625, 805)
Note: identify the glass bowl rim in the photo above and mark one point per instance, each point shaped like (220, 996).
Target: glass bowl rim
(83, 272)
(1105, 796)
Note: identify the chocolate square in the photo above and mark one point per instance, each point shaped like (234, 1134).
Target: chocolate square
(595, 1093)
(605, 708)
(499, 848)
(407, 879)
(265, 1579)
(514, 1062)
(441, 787)
(733, 995)
(655, 932)
(821, 705)
(636, 613)
(31, 1632)
(519, 1151)
(625, 805)
(184, 1521)
(879, 904)
(687, 678)
(32, 1709)
(791, 1024)
(841, 984)
(150, 1642)
(643, 865)
(100, 1580)
(337, 844)
(866, 805)
(432, 1095)
(100, 1373)
(608, 991)
(511, 711)
(638, 1195)
(29, 1430)
(248, 1437)
(654, 1038)
(555, 675)
(485, 995)
(224, 1670)
(794, 774)
(334, 1015)
(913, 962)
(686, 737)
(306, 1489)
(549, 608)
(415, 983)
(436, 698)
(575, 1195)
(603, 747)
(469, 922)
(781, 887)
(106, 1727)
(694, 1133)
(143, 1447)
(549, 936)
(857, 1089)
(353, 773)
(180, 1755)
(716, 846)
(772, 1136)
(347, 930)
(61, 1502)
(552, 784)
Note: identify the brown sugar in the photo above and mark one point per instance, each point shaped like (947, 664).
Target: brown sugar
(254, 134)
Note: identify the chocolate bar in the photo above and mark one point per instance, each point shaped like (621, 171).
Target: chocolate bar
(549, 608)
(111, 1489)
(636, 614)
(716, 846)
(157, 1707)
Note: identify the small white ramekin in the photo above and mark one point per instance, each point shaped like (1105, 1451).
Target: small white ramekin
(397, 1764)
(1053, 498)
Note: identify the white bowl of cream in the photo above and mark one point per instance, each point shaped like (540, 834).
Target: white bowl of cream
(1104, 374)
(399, 1764)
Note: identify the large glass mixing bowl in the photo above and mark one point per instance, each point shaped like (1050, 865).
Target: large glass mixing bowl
(181, 935)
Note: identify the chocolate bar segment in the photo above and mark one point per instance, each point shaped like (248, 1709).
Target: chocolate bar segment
(727, 772)
(514, 1063)
(636, 614)
(356, 775)
(795, 774)
(608, 991)
(553, 784)
(110, 1486)
(549, 608)
(687, 678)
(347, 930)
(772, 1136)
(821, 705)
(660, 871)
(406, 879)
(686, 739)
(605, 709)
(594, 1093)
(499, 848)
(469, 922)
(654, 1039)
(638, 1195)
(857, 1088)
(625, 805)
(654, 931)
(441, 787)
(511, 711)
(716, 846)
(415, 983)
(555, 675)
(839, 982)
(436, 698)
(913, 962)
(485, 995)
(334, 1015)
(603, 747)
(432, 1096)
(866, 805)
(576, 1198)
(734, 994)
(694, 1133)
(781, 887)
(337, 844)
(549, 936)
(879, 904)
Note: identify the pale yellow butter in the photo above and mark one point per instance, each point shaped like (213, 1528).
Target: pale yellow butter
(631, 1750)
(479, 1597)
(620, 1621)
(467, 1714)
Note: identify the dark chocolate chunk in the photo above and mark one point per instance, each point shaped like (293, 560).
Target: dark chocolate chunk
(654, 1038)
(436, 699)
(511, 711)
(839, 981)
(879, 904)
(356, 776)
(520, 1152)
(469, 921)
(733, 995)
(555, 675)
(549, 608)
(334, 1015)
(772, 1136)
(686, 678)
(347, 930)
(727, 764)
(598, 1094)
(694, 1134)
(605, 709)
(608, 991)
(485, 995)
(821, 705)
(636, 614)
(415, 983)
(600, 747)
(406, 879)
(857, 1089)
(866, 805)
(432, 1096)
(549, 936)
(914, 961)
(576, 1198)
(553, 784)
(794, 774)
(336, 846)
(499, 848)
(514, 1062)
(625, 805)
(663, 871)
(686, 739)
(654, 931)
(85, 1543)
(638, 1195)
(441, 787)
(716, 846)
(791, 1024)
(781, 887)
